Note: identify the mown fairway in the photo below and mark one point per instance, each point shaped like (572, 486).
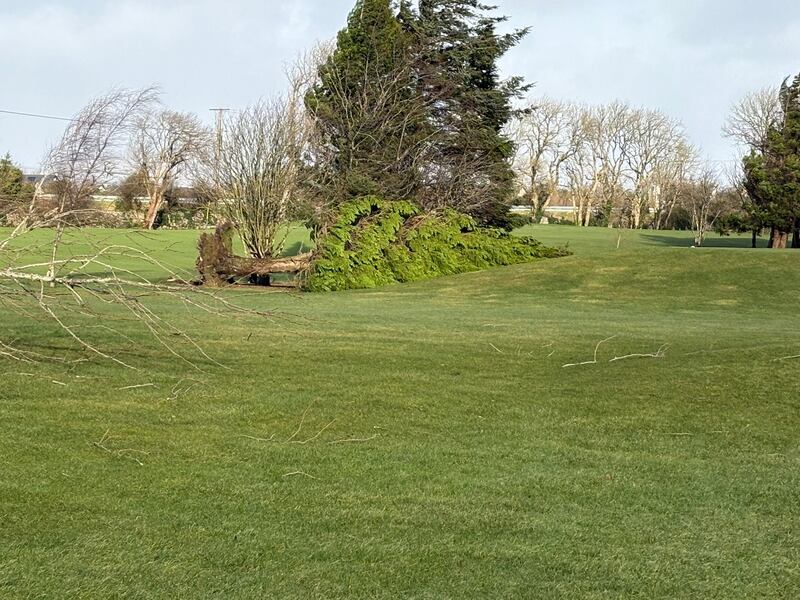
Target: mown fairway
(444, 451)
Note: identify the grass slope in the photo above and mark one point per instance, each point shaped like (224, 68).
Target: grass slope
(487, 470)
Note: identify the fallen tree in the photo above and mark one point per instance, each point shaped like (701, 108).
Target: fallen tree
(219, 266)
(374, 242)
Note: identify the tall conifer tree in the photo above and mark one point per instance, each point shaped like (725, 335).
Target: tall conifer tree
(773, 177)
(459, 51)
(367, 108)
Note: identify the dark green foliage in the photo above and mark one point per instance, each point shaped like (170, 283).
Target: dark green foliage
(14, 190)
(368, 113)
(515, 220)
(411, 106)
(459, 51)
(773, 176)
(375, 242)
(12, 182)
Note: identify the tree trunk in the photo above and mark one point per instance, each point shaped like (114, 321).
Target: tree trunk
(219, 267)
(796, 236)
(152, 212)
(779, 239)
(755, 238)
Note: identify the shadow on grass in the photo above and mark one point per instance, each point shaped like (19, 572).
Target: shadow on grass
(686, 241)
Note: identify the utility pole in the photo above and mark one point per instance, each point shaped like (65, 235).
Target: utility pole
(218, 151)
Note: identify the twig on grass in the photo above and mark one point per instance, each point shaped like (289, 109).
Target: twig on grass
(596, 350)
(258, 439)
(785, 358)
(122, 453)
(303, 473)
(300, 427)
(660, 353)
(496, 348)
(136, 387)
(319, 433)
(354, 440)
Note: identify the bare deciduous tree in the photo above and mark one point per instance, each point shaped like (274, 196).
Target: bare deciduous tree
(87, 157)
(546, 136)
(163, 144)
(702, 198)
(93, 287)
(614, 160)
(652, 140)
(752, 117)
(258, 174)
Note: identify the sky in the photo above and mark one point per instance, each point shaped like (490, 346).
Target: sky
(691, 59)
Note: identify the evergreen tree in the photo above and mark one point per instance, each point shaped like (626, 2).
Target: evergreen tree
(12, 182)
(411, 105)
(14, 190)
(367, 110)
(772, 178)
(457, 61)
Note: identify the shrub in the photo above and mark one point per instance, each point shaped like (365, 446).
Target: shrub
(516, 220)
(375, 242)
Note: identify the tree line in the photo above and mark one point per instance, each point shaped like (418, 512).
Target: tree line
(408, 104)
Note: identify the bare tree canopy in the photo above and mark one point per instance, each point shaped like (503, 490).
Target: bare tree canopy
(256, 175)
(87, 156)
(614, 162)
(751, 119)
(164, 143)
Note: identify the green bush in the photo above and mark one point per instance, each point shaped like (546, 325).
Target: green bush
(516, 220)
(375, 242)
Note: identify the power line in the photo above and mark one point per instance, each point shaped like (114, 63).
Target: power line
(37, 116)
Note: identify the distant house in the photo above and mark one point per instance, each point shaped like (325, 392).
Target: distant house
(33, 178)
(551, 210)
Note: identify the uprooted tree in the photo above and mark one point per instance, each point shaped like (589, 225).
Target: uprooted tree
(375, 242)
(407, 116)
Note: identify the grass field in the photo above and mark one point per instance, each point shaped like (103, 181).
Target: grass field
(426, 441)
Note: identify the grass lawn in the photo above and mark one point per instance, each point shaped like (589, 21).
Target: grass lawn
(425, 441)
